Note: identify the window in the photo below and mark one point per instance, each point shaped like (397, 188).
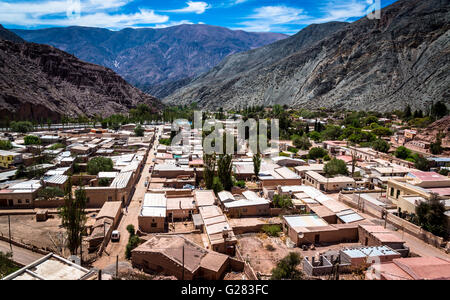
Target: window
(27, 201)
(392, 192)
(154, 225)
(109, 198)
(19, 201)
(398, 194)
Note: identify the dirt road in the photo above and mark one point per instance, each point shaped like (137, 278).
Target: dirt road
(131, 217)
(20, 255)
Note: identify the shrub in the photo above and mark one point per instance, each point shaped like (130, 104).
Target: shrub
(271, 230)
(99, 164)
(282, 201)
(240, 183)
(336, 167)
(317, 152)
(270, 248)
(32, 140)
(287, 268)
(5, 145)
(133, 242)
(131, 229)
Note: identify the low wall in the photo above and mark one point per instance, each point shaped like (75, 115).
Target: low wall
(25, 246)
(248, 270)
(415, 230)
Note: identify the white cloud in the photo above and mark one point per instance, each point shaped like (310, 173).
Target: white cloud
(288, 19)
(342, 11)
(192, 7)
(95, 13)
(269, 18)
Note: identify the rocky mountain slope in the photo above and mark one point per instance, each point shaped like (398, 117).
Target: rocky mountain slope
(403, 58)
(152, 58)
(40, 82)
(5, 34)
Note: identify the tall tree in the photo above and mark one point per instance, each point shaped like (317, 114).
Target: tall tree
(73, 217)
(256, 164)
(224, 171)
(209, 169)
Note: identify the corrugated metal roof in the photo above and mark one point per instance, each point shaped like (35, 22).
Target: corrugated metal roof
(305, 221)
(56, 179)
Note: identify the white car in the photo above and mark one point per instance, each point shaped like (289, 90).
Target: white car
(115, 236)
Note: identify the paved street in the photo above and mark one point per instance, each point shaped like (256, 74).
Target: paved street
(131, 217)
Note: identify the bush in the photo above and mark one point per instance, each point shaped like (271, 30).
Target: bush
(217, 185)
(99, 164)
(240, 183)
(32, 140)
(139, 131)
(402, 152)
(271, 230)
(282, 201)
(56, 146)
(5, 145)
(22, 126)
(381, 146)
(301, 142)
(317, 152)
(166, 142)
(287, 268)
(335, 167)
(133, 242)
(104, 182)
(131, 229)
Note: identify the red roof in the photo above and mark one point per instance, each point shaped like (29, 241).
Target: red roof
(428, 176)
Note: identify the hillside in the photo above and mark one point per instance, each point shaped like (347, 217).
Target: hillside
(152, 58)
(369, 64)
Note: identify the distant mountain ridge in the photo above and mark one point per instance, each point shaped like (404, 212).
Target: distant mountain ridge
(386, 64)
(152, 58)
(40, 82)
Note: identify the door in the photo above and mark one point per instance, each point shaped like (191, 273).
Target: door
(10, 202)
(3, 202)
(317, 239)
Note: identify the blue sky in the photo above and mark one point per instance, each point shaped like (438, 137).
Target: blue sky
(284, 16)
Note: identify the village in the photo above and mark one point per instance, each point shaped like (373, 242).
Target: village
(158, 207)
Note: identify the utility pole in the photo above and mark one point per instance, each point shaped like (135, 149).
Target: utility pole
(182, 274)
(117, 266)
(9, 230)
(81, 249)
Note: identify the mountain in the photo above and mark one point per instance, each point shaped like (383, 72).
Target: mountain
(152, 58)
(403, 58)
(7, 35)
(40, 82)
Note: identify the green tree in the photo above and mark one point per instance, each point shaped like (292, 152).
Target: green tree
(431, 216)
(402, 152)
(436, 147)
(21, 171)
(302, 142)
(315, 136)
(50, 193)
(332, 132)
(7, 265)
(282, 201)
(209, 169)
(21, 126)
(73, 217)
(139, 131)
(439, 110)
(32, 140)
(217, 185)
(421, 163)
(133, 242)
(5, 145)
(381, 146)
(382, 131)
(287, 268)
(99, 164)
(335, 167)
(224, 171)
(256, 164)
(317, 152)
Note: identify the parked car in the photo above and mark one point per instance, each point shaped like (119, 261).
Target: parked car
(348, 189)
(115, 236)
